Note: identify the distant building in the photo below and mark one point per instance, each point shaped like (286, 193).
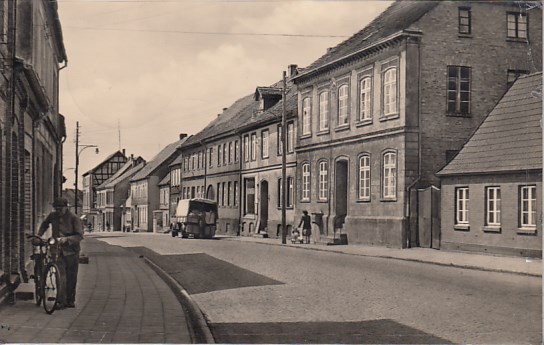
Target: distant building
(492, 190)
(380, 113)
(144, 185)
(113, 194)
(94, 178)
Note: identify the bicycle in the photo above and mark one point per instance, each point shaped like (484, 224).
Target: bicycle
(47, 273)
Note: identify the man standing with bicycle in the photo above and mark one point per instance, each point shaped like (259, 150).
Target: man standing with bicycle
(67, 228)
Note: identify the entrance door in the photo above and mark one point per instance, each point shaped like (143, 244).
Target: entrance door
(341, 196)
(263, 223)
(210, 193)
(429, 217)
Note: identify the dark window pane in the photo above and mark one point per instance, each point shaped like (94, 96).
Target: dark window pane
(465, 72)
(464, 108)
(452, 72)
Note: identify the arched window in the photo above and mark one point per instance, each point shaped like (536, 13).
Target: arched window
(390, 91)
(365, 88)
(364, 177)
(306, 116)
(323, 180)
(324, 110)
(389, 175)
(343, 105)
(306, 178)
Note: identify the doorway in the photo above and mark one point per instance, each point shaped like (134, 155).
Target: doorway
(341, 193)
(210, 193)
(263, 212)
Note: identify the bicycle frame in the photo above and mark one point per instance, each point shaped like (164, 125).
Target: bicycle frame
(47, 273)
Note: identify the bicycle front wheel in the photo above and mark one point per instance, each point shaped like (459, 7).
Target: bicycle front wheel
(51, 288)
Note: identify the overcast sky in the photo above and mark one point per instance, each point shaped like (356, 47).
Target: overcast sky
(157, 68)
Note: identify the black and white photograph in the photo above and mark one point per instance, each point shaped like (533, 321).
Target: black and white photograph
(271, 172)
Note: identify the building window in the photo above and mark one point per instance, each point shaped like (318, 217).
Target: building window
(280, 140)
(223, 193)
(236, 150)
(230, 152)
(514, 74)
(390, 91)
(289, 192)
(290, 137)
(458, 90)
(246, 148)
(461, 205)
(235, 193)
(323, 181)
(493, 206)
(306, 182)
(264, 143)
(219, 155)
(464, 20)
(343, 105)
(250, 195)
(516, 25)
(324, 111)
(365, 89)
(306, 116)
(389, 175)
(527, 206)
(253, 146)
(210, 157)
(229, 191)
(225, 154)
(364, 177)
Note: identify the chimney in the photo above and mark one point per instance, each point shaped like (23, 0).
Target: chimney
(123, 152)
(182, 135)
(225, 109)
(291, 71)
(329, 49)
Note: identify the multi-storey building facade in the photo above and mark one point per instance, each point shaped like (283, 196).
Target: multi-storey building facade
(261, 156)
(144, 185)
(236, 161)
(113, 193)
(32, 130)
(175, 189)
(161, 217)
(92, 179)
(381, 113)
(492, 190)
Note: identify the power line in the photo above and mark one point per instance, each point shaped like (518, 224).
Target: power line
(205, 33)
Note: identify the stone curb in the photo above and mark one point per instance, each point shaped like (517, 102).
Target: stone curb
(196, 322)
(451, 264)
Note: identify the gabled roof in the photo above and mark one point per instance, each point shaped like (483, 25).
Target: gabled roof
(158, 160)
(118, 153)
(227, 122)
(126, 171)
(165, 180)
(243, 113)
(510, 138)
(177, 161)
(396, 18)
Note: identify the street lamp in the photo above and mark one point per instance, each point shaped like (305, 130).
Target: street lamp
(79, 150)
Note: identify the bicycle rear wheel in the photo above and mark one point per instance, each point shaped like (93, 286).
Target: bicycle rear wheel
(51, 288)
(38, 291)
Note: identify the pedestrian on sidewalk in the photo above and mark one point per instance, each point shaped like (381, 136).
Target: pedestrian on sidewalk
(306, 222)
(67, 227)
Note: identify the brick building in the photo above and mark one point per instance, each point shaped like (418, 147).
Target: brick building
(31, 129)
(383, 111)
(492, 190)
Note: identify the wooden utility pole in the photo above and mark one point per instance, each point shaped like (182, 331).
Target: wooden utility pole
(283, 161)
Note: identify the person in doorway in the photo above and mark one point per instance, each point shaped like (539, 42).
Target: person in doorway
(306, 223)
(67, 228)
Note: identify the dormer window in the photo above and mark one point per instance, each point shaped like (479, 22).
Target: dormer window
(267, 97)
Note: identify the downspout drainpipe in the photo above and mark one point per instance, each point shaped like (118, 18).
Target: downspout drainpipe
(239, 196)
(409, 188)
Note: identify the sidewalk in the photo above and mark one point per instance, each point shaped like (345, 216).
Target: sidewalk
(120, 299)
(494, 263)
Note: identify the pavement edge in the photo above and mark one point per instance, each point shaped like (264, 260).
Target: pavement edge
(430, 262)
(196, 322)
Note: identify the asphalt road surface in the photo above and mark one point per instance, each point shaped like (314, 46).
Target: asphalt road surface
(256, 293)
